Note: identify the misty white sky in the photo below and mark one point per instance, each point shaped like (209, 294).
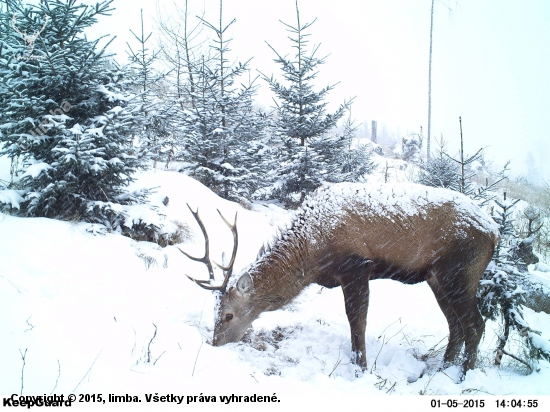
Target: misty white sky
(491, 62)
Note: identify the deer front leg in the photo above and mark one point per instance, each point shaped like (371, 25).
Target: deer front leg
(356, 297)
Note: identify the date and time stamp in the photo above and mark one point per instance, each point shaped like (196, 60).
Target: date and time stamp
(506, 403)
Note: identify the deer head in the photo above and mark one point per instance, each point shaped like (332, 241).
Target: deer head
(232, 303)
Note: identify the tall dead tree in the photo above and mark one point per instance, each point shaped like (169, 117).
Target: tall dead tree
(430, 81)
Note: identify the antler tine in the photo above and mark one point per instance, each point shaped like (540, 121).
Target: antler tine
(206, 285)
(206, 258)
(233, 228)
(228, 270)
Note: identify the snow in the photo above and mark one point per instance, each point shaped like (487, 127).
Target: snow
(34, 170)
(116, 110)
(398, 199)
(85, 309)
(542, 267)
(98, 131)
(76, 129)
(112, 96)
(115, 160)
(11, 197)
(539, 342)
(141, 213)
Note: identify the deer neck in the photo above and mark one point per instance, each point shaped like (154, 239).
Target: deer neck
(281, 274)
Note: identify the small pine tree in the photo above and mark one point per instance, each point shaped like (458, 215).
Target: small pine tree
(465, 184)
(302, 123)
(353, 160)
(440, 170)
(501, 296)
(299, 171)
(411, 147)
(155, 130)
(457, 174)
(223, 135)
(65, 114)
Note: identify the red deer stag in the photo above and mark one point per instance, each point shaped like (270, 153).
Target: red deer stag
(347, 234)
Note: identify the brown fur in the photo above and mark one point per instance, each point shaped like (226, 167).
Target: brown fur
(443, 244)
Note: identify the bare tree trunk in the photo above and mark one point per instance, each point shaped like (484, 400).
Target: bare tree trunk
(430, 82)
(462, 163)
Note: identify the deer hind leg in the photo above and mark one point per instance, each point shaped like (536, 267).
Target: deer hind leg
(473, 325)
(456, 333)
(356, 297)
(466, 325)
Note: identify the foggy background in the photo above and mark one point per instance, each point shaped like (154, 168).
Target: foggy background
(491, 62)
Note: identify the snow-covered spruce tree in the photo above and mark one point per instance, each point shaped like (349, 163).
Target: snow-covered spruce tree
(501, 296)
(65, 114)
(410, 148)
(302, 123)
(156, 129)
(453, 173)
(459, 174)
(222, 133)
(182, 44)
(440, 170)
(352, 160)
(465, 184)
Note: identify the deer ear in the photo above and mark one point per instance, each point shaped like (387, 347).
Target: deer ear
(245, 284)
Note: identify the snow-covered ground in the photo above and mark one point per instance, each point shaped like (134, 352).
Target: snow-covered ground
(105, 314)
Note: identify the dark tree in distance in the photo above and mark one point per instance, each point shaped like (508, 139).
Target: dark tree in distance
(464, 182)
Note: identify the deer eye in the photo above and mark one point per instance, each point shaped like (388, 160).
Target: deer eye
(228, 317)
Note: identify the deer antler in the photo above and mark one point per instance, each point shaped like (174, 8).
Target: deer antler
(228, 270)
